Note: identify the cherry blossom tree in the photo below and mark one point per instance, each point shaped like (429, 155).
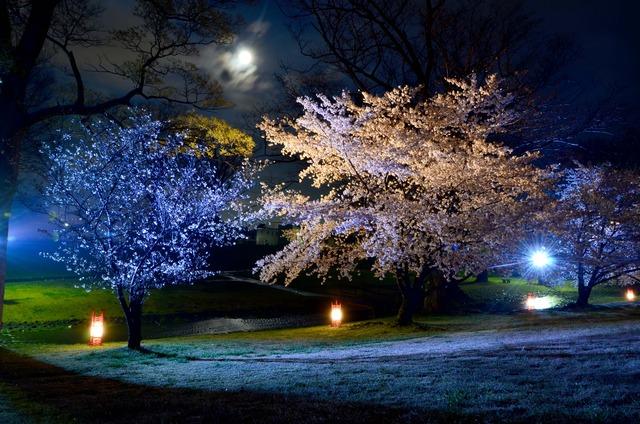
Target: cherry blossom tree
(415, 185)
(136, 210)
(597, 223)
(52, 50)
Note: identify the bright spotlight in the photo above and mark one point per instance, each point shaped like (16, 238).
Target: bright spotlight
(244, 57)
(541, 259)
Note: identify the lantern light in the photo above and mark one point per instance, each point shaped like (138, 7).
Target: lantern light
(96, 331)
(336, 314)
(631, 295)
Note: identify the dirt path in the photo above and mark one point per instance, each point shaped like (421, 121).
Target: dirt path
(231, 275)
(229, 325)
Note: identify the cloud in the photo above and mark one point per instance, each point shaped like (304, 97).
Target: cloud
(242, 82)
(258, 28)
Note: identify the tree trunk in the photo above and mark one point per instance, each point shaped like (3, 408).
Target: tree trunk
(133, 313)
(584, 291)
(9, 159)
(412, 294)
(412, 299)
(134, 325)
(21, 59)
(483, 277)
(442, 295)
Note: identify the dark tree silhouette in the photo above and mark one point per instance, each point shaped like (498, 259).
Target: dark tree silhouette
(379, 45)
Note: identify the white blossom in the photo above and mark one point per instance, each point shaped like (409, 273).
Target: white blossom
(597, 227)
(134, 210)
(414, 185)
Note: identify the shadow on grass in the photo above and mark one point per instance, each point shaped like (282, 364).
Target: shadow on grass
(44, 391)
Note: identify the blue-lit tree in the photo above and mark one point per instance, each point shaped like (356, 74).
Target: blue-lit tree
(597, 224)
(138, 209)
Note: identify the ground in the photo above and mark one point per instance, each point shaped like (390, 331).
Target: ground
(504, 365)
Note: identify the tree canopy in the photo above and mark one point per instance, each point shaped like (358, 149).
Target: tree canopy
(596, 223)
(414, 185)
(132, 214)
(212, 137)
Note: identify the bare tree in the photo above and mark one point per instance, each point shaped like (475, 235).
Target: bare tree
(379, 45)
(37, 37)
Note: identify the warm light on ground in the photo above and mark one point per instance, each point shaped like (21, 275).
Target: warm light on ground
(537, 303)
(96, 330)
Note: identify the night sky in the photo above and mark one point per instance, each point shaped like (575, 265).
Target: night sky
(606, 33)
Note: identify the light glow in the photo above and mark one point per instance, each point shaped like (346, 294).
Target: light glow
(336, 314)
(96, 330)
(244, 57)
(537, 303)
(541, 258)
(630, 295)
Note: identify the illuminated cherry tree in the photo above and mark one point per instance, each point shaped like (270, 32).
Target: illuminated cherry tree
(412, 184)
(598, 226)
(136, 210)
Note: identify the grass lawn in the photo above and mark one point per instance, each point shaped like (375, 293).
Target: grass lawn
(59, 300)
(544, 366)
(499, 365)
(499, 296)
(57, 311)
(493, 296)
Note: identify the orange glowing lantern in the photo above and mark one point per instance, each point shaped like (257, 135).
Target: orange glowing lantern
(631, 295)
(336, 314)
(96, 331)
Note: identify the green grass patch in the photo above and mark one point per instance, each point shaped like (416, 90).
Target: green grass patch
(494, 296)
(307, 339)
(39, 302)
(34, 304)
(507, 381)
(497, 295)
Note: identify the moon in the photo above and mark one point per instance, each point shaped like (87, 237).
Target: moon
(244, 57)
